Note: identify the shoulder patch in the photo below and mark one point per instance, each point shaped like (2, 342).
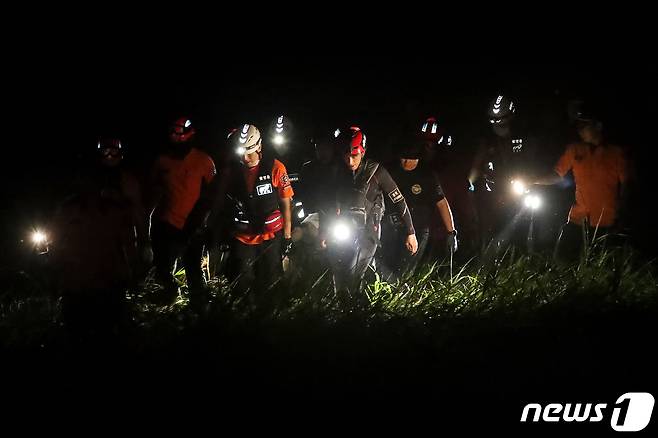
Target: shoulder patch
(396, 196)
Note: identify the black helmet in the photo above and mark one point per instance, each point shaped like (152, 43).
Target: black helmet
(501, 110)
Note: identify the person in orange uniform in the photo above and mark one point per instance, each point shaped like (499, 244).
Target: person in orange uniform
(181, 177)
(600, 172)
(259, 193)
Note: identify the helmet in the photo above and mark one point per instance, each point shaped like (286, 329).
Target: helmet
(280, 130)
(182, 130)
(501, 110)
(249, 140)
(109, 143)
(279, 125)
(350, 140)
(430, 130)
(110, 151)
(584, 113)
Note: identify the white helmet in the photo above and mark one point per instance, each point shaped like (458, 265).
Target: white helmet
(249, 140)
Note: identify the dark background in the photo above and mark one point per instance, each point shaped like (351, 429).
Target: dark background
(66, 100)
(63, 93)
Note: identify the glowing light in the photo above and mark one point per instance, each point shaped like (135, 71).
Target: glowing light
(532, 201)
(278, 140)
(518, 187)
(341, 232)
(39, 237)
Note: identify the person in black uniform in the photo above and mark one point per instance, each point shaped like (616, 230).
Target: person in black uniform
(421, 188)
(352, 234)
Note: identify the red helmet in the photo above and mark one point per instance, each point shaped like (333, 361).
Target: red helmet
(182, 130)
(431, 130)
(351, 140)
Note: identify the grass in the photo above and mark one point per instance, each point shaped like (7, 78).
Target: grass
(517, 329)
(516, 288)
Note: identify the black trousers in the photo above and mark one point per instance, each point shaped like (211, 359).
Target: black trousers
(169, 243)
(571, 240)
(255, 267)
(350, 261)
(396, 260)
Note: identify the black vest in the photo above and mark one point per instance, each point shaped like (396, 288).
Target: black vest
(252, 208)
(364, 201)
(503, 158)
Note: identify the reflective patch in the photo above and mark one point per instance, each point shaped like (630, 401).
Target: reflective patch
(396, 196)
(416, 189)
(285, 180)
(264, 189)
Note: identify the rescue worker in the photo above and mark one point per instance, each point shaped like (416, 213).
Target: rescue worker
(181, 177)
(424, 196)
(315, 192)
(256, 191)
(600, 172)
(504, 157)
(451, 162)
(352, 235)
(98, 236)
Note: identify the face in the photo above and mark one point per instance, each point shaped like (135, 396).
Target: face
(110, 157)
(252, 159)
(352, 161)
(409, 164)
(501, 130)
(178, 134)
(589, 134)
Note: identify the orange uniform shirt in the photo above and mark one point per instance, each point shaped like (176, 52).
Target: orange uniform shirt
(182, 180)
(598, 173)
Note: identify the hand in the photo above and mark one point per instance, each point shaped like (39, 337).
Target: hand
(412, 243)
(287, 246)
(451, 241)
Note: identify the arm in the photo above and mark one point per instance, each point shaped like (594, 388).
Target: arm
(198, 218)
(549, 179)
(563, 166)
(140, 218)
(446, 215)
(286, 209)
(281, 181)
(390, 189)
(474, 173)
